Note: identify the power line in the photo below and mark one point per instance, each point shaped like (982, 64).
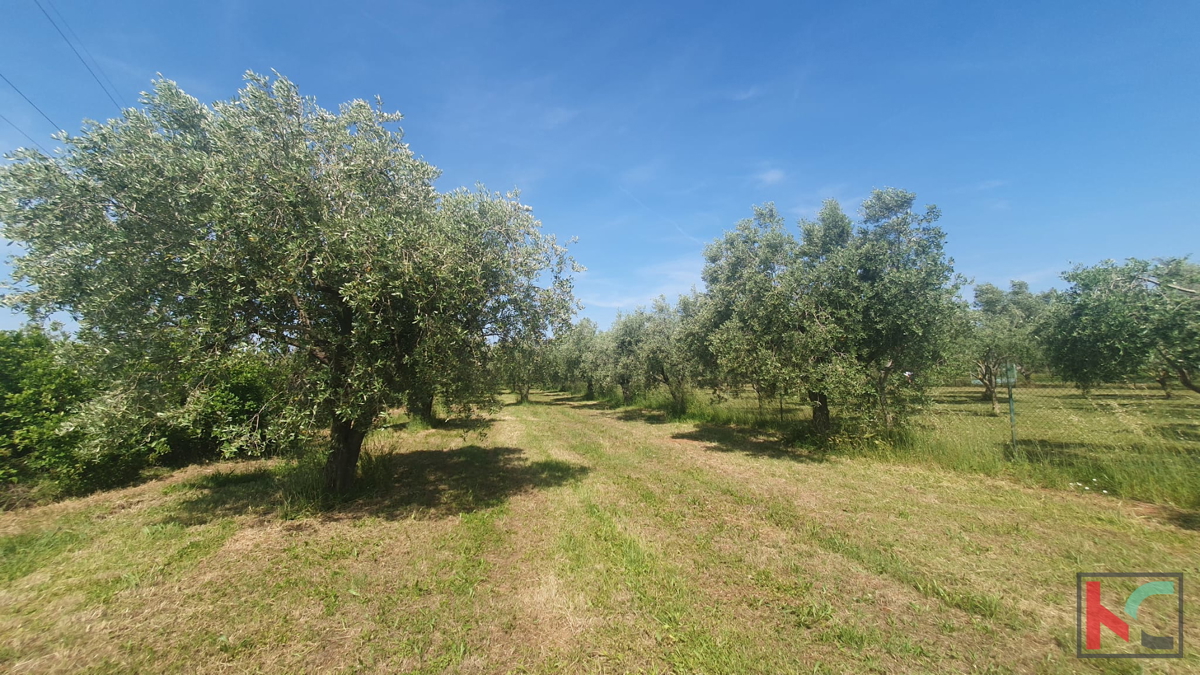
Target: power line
(31, 139)
(87, 51)
(2, 77)
(77, 54)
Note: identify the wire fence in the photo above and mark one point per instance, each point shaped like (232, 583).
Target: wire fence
(1043, 415)
(1135, 438)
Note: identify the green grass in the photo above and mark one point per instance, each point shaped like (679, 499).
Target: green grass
(569, 537)
(1125, 441)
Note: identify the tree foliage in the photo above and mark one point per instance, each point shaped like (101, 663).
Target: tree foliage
(1003, 330)
(182, 233)
(844, 315)
(1116, 320)
(39, 390)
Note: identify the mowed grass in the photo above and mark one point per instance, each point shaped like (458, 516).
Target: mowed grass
(1122, 440)
(566, 537)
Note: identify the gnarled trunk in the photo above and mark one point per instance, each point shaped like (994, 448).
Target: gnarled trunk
(1163, 378)
(420, 405)
(345, 440)
(986, 373)
(881, 391)
(820, 411)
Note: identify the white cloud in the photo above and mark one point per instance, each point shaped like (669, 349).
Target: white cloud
(556, 117)
(746, 94)
(809, 203)
(642, 173)
(770, 177)
(642, 285)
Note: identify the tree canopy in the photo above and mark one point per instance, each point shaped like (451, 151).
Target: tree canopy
(1118, 319)
(183, 232)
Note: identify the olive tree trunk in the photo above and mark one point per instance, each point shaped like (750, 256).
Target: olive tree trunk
(820, 411)
(345, 440)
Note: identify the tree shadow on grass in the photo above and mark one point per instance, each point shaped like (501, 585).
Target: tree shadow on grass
(1188, 520)
(1076, 453)
(442, 483)
(642, 415)
(225, 494)
(464, 424)
(756, 444)
(426, 484)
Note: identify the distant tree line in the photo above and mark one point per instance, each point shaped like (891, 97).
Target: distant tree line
(857, 317)
(865, 317)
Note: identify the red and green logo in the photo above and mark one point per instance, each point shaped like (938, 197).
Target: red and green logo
(1142, 612)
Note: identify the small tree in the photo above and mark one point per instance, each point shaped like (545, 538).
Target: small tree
(664, 352)
(752, 329)
(624, 366)
(182, 232)
(38, 392)
(1002, 332)
(575, 359)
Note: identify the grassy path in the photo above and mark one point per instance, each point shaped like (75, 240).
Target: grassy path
(569, 538)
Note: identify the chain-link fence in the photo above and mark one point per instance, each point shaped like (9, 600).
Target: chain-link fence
(1107, 439)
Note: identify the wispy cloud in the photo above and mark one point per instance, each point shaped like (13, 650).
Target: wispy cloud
(660, 217)
(641, 286)
(642, 173)
(556, 117)
(1044, 275)
(770, 177)
(746, 94)
(980, 186)
(809, 203)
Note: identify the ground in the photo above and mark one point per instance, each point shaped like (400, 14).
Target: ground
(566, 537)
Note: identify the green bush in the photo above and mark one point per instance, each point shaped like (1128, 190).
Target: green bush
(38, 392)
(72, 423)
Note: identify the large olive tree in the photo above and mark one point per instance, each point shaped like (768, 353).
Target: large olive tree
(182, 232)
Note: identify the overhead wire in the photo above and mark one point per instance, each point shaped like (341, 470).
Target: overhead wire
(87, 51)
(35, 106)
(31, 139)
(77, 54)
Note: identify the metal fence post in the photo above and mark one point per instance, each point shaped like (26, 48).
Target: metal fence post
(1011, 376)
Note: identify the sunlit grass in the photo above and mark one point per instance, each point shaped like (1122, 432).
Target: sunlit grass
(1124, 440)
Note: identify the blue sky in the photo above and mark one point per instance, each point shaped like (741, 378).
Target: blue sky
(1048, 133)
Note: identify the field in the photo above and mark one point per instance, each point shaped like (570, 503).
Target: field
(564, 536)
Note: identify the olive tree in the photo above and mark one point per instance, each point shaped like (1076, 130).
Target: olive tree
(752, 328)
(891, 293)
(622, 349)
(183, 231)
(574, 357)
(1002, 331)
(665, 353)
(1117, 319)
